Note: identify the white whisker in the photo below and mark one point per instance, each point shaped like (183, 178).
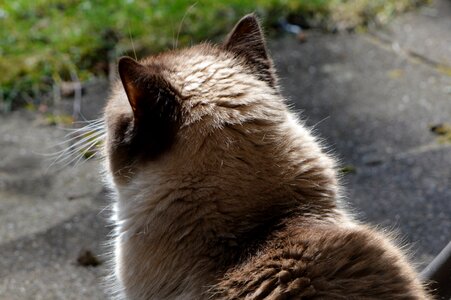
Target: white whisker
(181, 23)
(79, 141)
(77, 158)
(86, 139)
(80, 135)
(89, 121)
(66, 149)
(93, 144)
(131, 40)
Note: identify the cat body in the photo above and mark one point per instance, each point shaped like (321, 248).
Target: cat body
(222, 193)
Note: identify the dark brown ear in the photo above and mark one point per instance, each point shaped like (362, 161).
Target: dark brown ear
(133, 76)
(154, 102)
(146, 89)
(247, 40)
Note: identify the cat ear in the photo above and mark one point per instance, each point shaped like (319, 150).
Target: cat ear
(247, 40)
(149, 94)
(154, 103)
(133, 75)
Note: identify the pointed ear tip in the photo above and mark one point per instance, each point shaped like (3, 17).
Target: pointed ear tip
(123, 60)
(250, 18)
(126, 64)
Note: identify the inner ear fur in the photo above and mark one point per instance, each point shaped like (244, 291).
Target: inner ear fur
(247, 40)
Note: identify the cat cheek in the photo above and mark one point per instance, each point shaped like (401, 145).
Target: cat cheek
(118, 145)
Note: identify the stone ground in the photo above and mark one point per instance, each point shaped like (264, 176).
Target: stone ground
(371, 96)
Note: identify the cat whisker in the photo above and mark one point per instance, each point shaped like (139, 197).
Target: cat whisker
(72, 131)
(86, 131)
(82, 146)
(89, 121)
(94, 135)
(85, 128)
(79, 135)
(84, 123)
(77, 158)
(93, 144)
(319, 122)
(87, 137)
(131, 40)
(181, 23)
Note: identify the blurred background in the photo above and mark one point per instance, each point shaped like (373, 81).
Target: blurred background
(373, 77)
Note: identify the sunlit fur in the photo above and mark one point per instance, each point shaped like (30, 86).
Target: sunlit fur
(243, 204)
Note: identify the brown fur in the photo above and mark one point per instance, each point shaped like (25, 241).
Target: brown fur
(223, 193)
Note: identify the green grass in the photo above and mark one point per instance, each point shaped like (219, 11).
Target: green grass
(44, 42)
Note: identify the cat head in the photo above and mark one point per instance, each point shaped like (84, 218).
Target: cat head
(189, 91)
(209, 113)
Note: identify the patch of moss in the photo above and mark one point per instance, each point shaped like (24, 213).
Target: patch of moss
(395, 74)
(91, 146)
(57, 119)
(443, 131)
(348, 169)
(444, 70)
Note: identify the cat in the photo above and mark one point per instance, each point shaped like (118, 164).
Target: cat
(222, 193)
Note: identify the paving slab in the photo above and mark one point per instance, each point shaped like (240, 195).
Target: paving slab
(367, 101)
(410, 195)
(49, 215)
(425, 32)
